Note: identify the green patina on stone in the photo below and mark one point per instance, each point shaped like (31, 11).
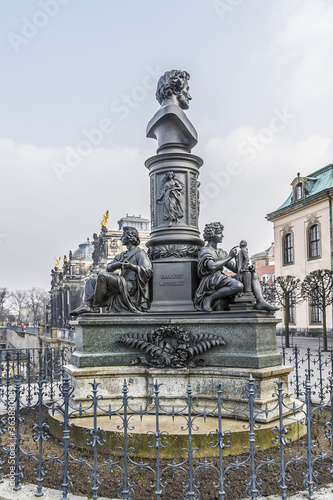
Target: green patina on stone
(250, 342)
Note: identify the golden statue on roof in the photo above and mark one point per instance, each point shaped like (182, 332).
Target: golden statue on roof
(57, 262)
(105, 219)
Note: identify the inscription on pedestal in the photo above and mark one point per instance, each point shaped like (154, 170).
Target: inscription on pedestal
(172, 280)
(173, 285)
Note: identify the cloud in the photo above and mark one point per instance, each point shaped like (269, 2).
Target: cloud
(44, 218)
(240, 190)
(304, 46)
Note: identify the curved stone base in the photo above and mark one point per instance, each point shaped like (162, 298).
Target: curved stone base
(177, 438)
(173, 386)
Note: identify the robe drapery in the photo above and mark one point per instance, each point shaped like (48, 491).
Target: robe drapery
(210, 281)
(131, 293)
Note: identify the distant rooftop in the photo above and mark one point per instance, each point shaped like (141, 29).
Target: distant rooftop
(140, 223)
(84, 251)
(263, 254)
(316, 182)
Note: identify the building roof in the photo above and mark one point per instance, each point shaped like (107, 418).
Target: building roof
(84, 251)
(317, 182)
(133, 218)
(263, 254)
(140, 223)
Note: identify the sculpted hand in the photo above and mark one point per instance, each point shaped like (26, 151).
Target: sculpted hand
(127, 265)
(113, 266)
(233, 252)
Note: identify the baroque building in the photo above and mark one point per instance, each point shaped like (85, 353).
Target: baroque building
(91, 257)
(304, 241)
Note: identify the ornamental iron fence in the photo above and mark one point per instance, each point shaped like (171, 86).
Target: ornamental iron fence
(314, 365)
(28, 452)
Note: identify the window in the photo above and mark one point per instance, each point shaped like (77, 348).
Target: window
(299, 191)
(316, 314)
(314, 242)
(288, 249)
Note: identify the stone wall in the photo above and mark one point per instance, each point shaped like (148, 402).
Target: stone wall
(20, 340)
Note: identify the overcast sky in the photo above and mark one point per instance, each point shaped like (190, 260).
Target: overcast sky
(77, 91)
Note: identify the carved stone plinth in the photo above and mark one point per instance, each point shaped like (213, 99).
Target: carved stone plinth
(250, 340)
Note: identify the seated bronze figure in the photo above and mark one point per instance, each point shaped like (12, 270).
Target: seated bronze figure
(215, 285)
(124, 292)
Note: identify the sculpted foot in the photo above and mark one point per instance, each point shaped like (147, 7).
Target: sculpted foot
(84, 309)
(207, 305)
(264, 306)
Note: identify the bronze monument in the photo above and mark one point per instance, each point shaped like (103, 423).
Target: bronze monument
(124, 292)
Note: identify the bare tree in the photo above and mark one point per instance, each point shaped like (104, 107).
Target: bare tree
(18, 300)
(317, 289)
(288, 295)
(4, 294)
(36, 301)
(268, 292)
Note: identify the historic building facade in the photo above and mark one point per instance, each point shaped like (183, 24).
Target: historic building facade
(303, 239)
(265, 264)
(91, 257)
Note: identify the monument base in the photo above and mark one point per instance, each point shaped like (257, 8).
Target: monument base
(174, 383)
(177, 439)
(154, 347)
(250, 338)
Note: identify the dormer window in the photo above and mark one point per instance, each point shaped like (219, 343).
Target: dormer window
(299, 187)
(299, 191)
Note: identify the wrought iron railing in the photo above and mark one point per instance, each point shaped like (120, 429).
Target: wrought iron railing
(314, 365)
(32, 365)
(23, 397)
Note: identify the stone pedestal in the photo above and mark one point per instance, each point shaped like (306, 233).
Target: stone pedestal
(250, 340)
(250, 348)
(173, 382)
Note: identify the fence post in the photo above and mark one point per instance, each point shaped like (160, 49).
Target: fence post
(157, 440)
(40, 363)
(282, 441)
(251, 390)
(191, 493)
(296, 352)
(308, 481)
(320, 363)
(18, 469)
(40, 428)
(66, 393)
(95, 439)
(283, 354)
(220, 437)
(125, 492)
